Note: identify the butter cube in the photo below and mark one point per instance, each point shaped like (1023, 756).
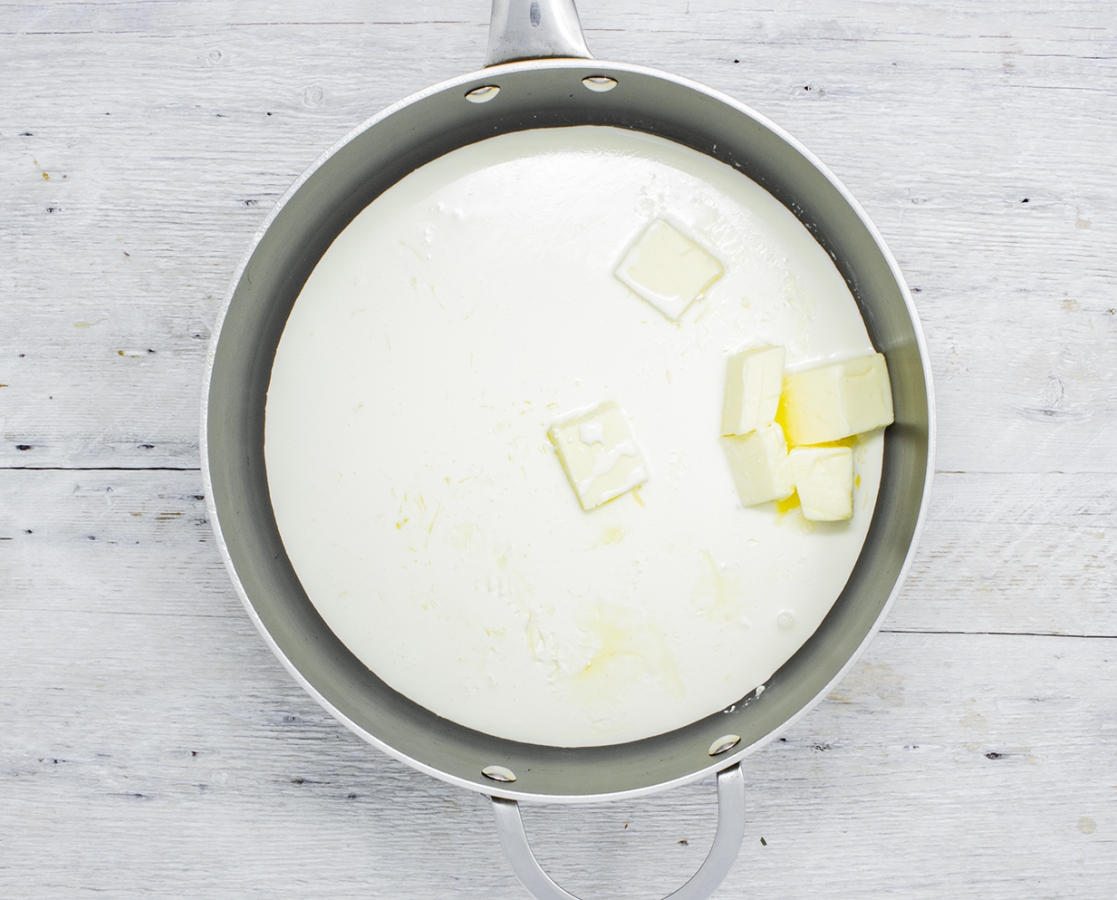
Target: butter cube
(824, 479)
(758, 461)
(599, 454)
(835, 401)
(752, 389)
(668, 269)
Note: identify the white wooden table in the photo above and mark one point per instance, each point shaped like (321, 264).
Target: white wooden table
(151, 746)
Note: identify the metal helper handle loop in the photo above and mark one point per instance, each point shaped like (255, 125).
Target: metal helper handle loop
(726, 846)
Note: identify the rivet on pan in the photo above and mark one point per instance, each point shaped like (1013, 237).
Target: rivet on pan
(482, 94)
(499, 773)
(723, 743)
(600, 83)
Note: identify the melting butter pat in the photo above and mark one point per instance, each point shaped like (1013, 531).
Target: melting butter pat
(835, 401)
(824, 479)
(599, 454)
(759, 464)
(668, 269)
(752, 389)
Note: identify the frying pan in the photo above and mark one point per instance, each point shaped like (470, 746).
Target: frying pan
(539, 75)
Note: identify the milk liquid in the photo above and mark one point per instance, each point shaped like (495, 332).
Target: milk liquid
(425, 511)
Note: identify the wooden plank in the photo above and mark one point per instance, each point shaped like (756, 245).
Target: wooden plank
(126, 654)
(162, 189)
(163, 193)
(170, 755)
(108, 542)
(1005, 554)
(1015, 553)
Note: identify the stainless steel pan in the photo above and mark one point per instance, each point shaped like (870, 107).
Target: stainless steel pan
(540, 75)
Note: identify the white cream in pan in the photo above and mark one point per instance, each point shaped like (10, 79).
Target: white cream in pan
(422, 504)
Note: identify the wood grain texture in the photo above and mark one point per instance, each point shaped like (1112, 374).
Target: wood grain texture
(167, 140)
(1036, 558)
(151, 746)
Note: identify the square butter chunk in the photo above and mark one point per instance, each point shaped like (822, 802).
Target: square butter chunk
(759, 464)
(838, 400)
(752, 389)
(824, 479)
(668, 269)
(599, 454)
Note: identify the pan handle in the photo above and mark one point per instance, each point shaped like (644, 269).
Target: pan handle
(727, 843)
(534, 29)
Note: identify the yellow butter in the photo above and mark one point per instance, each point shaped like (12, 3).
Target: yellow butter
(668, 269)
(824, 480)
(752, 389)
(838, 400)
(599, 454)
(758, 461)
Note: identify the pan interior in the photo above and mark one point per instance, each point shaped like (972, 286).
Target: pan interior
(342, 184)
(422, 505)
